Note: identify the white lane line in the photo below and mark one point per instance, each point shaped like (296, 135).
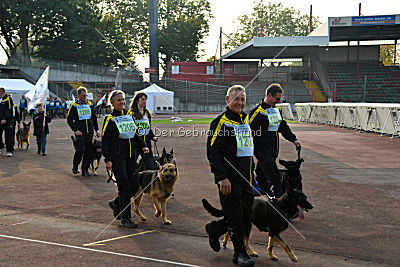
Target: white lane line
(97, 250)
(19, 223)
(99, 243)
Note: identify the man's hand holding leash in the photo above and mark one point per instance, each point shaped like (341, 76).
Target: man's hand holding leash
(297, 143)
(225, 186)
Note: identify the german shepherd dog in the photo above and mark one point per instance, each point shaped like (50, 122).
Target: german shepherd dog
(158, 161)
(159, 185)
(290, 177)
(266, 219)
(22, 135)
(95, 149)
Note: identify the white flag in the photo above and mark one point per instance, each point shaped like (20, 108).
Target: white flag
(101, 100)
(39, 93)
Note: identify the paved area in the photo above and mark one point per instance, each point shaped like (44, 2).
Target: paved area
(49, 216)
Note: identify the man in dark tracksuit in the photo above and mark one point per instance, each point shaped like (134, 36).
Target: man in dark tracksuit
(23, 105)
(82, 120)
(267, 118)
(6, 119)
(230, 147)
(16, 118)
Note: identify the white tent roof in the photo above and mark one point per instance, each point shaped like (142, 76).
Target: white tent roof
(322, 30)
(16, 85)
(154, 88)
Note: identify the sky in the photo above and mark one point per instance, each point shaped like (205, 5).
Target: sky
(226, 11)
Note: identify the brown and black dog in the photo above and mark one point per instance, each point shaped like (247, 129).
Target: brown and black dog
(159, 185)
(23, 134)
(95, 152)
(266, 218)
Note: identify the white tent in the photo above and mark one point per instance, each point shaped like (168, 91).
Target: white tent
(16, 87)
(159, 100)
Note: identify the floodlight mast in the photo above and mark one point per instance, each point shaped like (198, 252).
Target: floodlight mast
(153, 37)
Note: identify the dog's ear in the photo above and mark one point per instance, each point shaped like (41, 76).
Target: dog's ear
(29, 123)
(164, 151)
(172, 151)
(282, 162)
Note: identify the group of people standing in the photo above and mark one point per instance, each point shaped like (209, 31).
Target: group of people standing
(125, 135)
(11, 118)
(234, 139)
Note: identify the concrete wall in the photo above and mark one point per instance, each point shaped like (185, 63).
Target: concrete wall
(339, 53)
(69, 76)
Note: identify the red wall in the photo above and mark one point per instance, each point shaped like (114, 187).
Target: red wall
(230, 76)
(191, 71)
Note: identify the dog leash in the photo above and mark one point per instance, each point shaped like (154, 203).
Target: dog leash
(298, 152)
(111, 176)
(156, 149)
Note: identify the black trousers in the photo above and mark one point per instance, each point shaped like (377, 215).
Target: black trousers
(8, 130)
(148, 158)
(127, 183)
(83, 145)
(236, 207)
(22, 113)
(268, 175)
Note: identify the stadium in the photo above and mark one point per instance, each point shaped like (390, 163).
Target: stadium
(341, 99)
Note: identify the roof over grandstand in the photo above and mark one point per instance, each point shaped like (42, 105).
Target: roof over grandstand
(364, 28)
(358, 28)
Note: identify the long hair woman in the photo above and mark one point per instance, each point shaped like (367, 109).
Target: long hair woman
(119, 143)
(142, 117)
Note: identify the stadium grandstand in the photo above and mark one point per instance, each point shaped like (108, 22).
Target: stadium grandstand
(340, 61)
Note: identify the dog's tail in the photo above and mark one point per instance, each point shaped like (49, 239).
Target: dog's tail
(213, 211)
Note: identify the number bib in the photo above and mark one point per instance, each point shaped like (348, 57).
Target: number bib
(143, 126)
(126, 126)
(274, 119)
(84, 112)
(244, 140)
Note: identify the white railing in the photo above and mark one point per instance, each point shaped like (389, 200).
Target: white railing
(374, 117)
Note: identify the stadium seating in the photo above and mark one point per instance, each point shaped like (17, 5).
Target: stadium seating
(383, 83)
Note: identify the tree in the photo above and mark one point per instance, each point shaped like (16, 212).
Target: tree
(387, 55)
(272, 19)
(15, 19)
(183, 24)
(74, 36)
(62, 30)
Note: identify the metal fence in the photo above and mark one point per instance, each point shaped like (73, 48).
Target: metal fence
(24, 61)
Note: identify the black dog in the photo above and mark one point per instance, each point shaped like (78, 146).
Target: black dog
(158, 161)
(266, 218)
(95, 152)
(291, 177)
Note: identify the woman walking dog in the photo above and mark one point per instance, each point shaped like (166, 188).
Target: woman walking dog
(119, 143)
(142, 117)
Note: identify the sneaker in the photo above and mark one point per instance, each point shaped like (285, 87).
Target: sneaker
(9, 154)
(86, 173)
(75, 170)
(44, 154)
(128, 223)
(243, 259)
(115, 209)
(212, 240)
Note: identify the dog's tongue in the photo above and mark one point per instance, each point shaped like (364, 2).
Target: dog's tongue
(301, 213)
